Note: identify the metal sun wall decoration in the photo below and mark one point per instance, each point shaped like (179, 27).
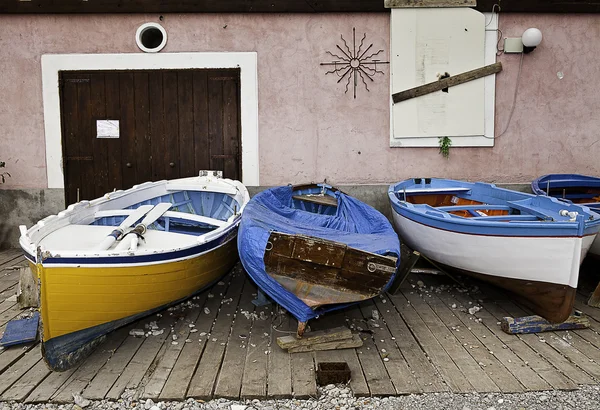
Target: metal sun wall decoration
(354, 63)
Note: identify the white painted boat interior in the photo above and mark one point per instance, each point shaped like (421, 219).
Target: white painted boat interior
(201, 208)
(87, 237)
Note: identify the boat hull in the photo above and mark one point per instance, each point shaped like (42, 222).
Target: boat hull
(321, 272)
(542, 270)
(80, 304)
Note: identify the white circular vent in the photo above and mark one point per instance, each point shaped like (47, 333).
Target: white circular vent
(151, 37)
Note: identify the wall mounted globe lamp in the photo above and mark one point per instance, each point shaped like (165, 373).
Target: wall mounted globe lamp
(531, 38)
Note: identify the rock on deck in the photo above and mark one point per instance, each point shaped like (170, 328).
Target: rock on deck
(423, 339)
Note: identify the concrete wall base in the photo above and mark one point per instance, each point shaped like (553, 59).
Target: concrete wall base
(27, 206)
(376, 194)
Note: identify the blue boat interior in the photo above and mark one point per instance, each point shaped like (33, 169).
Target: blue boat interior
(579, 189)
(478, 201)
(214, 205)
(313, 199)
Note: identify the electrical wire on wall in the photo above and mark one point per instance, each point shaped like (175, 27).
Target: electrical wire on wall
(514, 102)
(496, 7)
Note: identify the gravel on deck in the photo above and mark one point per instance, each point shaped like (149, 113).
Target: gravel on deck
(341, 398)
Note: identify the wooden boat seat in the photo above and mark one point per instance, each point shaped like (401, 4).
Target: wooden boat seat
(195, 218)
(529, 214)
(87, 237)
(432, 191)
(523, 207)
(317, 199)
(169, 214)
(154, 239)
(508, 218)
(472, 207)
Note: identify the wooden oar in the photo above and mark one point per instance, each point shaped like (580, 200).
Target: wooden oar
(140, 228)
(130, 220)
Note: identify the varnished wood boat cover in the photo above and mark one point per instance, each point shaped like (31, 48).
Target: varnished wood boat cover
(322, 272)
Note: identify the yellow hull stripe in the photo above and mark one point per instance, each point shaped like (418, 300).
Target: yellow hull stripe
(77, 298)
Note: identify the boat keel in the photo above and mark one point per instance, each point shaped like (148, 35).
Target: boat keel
(551, 301)
(58, 361)
(301, 329)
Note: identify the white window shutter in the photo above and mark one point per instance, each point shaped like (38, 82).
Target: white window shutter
(425, 44)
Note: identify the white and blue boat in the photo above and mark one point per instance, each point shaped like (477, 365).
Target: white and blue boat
(579, 189)
(531, 245)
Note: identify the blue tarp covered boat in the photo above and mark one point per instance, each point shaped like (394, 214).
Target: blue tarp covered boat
(314, 249)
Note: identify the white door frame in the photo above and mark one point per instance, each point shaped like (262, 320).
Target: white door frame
(52, 64)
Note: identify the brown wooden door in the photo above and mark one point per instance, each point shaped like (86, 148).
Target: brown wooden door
(172, 123)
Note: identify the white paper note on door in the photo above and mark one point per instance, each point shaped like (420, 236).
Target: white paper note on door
(107, 128)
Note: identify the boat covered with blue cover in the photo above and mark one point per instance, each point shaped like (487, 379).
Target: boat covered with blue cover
(314, 249)
(580, 189)
(529, 244)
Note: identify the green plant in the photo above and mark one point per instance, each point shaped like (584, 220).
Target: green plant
(445, 144)
(3, 175)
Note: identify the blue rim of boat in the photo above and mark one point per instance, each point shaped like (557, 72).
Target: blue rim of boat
(586, 224)
(540, 186)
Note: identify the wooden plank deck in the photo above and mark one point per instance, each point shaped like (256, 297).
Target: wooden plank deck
(421, 339)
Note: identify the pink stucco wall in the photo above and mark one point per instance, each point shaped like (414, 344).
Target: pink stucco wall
(309, 129)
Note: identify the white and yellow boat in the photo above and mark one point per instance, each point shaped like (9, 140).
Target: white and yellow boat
(104, 263)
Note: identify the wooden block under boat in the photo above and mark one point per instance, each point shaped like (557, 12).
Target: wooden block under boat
(28, 292)
(353, 342)
(317, 199)
(537, 324)
(407, 263)
(323, 336)
(319, 271)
